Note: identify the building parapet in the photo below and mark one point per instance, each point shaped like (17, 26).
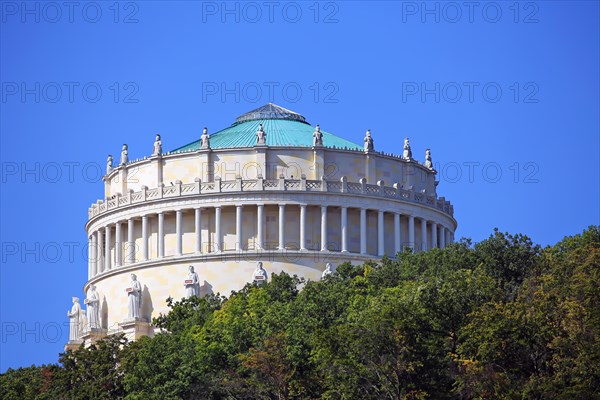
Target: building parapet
(179, 189)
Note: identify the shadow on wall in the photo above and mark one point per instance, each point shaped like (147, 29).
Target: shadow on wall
(147, 307)
(206, 288)
(104, 314)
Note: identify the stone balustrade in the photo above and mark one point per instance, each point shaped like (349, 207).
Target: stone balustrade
(179, 189)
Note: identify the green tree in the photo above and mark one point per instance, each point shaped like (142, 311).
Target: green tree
(545, 343)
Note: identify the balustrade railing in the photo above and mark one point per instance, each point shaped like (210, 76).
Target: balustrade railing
(179, 189)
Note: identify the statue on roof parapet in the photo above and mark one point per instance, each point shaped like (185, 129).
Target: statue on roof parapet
(205, 139)
(261, 136)
(407, 153)
(124, 155)
(369, 144)
(317, 136)
(109, 163)
(157, 151)
(428, 163)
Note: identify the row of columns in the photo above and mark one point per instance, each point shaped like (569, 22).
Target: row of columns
(98, 264)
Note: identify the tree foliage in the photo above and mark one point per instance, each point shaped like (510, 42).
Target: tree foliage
(501, 319)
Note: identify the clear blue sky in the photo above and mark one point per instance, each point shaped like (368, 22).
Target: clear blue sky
(497, 89)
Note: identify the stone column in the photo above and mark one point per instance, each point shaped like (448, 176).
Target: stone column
(118, 245)
(198, 229)
(344, 229)
(281, 227)
(380, 234)
(411, 232)
(303, 227)
(130, 242)
(260, 220)
(145, 238)
(218, 239)
(161, 235)
(107, 257)
(92, 255)
(238, 228)
(323, 228)
(363, 231)
(397, 239)
(434, 235)
(99, 253)
(423, 234)
(442, 237)
(179, 232)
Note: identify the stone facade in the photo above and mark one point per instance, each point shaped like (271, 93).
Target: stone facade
(295, 209)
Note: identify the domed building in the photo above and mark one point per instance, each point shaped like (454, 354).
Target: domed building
(270, 189)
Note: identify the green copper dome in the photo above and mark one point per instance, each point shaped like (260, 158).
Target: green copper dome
(283, 128)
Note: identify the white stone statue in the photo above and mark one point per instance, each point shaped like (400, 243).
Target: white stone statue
(109, 163)
(83, 323)
(92, 301)
(192, 284)
(407, 153)
(369, 145)
(317, 137)
(259, 275)
(428, 163)
(75, 320)
(328, 270)
(134, 295)
(205, 139)
(157, 146)
(124, 155)
(261, 136)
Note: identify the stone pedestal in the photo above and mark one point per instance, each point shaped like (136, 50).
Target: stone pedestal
(93, 335)
(135, 328)
(73, 344)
